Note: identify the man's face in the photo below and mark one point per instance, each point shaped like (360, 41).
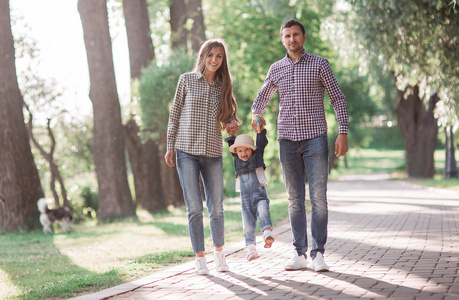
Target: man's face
(293, 39)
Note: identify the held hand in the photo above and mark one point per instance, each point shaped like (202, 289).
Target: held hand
(169, 157)
(258, 123)
(232, 128)
(341, 145)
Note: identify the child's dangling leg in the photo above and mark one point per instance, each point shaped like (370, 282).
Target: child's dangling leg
(268, 237)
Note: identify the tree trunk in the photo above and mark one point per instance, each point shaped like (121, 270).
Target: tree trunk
(20, 186)
(450, 161)
(141, 51)
(420, 129)
(144, 157)
(197, 31)
(179, 33)
(145, 166)
(114, 196)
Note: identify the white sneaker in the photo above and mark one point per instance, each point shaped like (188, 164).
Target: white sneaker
(252, 255)
(298, 262)
(220, 262)
(268, 238)
(201, 266)
(319, 263)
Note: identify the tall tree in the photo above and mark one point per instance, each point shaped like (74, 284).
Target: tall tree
(197, 30)
(19, 181)
(178, 17)
(145, 163)
(419, 128)
(141, 50)
(114, 195)
(187, 24)
(424, 34)
(144, 156)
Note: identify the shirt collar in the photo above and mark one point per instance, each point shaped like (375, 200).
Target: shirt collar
(200, 76)
(304, 56)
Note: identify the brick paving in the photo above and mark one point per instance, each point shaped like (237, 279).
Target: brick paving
(387, 240)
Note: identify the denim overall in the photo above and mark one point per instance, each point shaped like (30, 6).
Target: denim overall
(254, 204)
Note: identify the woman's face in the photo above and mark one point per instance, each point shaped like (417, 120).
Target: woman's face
(214, 59)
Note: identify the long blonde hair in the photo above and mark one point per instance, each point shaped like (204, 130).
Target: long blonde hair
(228, 107)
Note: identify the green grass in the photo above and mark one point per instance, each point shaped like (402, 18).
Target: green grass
(94, 257)
(365, 161)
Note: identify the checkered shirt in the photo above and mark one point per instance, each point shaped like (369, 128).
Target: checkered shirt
(193, 126)
(302, 87)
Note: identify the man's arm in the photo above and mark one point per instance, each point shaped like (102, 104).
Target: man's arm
(261, 101)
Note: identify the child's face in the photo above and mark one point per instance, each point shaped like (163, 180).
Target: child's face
(244, 153)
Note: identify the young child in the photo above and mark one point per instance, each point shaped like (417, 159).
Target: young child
(250, 181)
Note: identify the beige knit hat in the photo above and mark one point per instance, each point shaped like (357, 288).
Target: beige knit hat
(243, 140)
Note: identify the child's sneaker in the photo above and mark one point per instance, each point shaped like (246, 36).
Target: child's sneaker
(201, 266)
(220, 262)
(252, 255)
(268, 238)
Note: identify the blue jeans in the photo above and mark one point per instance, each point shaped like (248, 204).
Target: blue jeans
(254, 204)
(190, 168)
(296, 158)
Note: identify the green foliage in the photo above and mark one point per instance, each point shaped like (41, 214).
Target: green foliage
(157, 90)
(424, 34)
(73, 156)
(251, 30)
(384, 138)
(360, 105)
(89, 206)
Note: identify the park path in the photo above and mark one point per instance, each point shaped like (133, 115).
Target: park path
(387, 240)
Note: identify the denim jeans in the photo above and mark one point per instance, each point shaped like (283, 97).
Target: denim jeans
(297, 158)
(190, 168)
(254, 204)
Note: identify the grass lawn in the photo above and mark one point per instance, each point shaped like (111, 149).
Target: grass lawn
(371, 160)
(94, 257)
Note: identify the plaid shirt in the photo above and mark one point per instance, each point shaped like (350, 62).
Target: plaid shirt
(193, 124)
(302, 87)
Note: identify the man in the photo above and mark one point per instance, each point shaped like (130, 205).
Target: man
(301, 79)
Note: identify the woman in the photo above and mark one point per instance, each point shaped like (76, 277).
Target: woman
(203, 106)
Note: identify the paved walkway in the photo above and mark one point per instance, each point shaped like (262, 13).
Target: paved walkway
(387, 239)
